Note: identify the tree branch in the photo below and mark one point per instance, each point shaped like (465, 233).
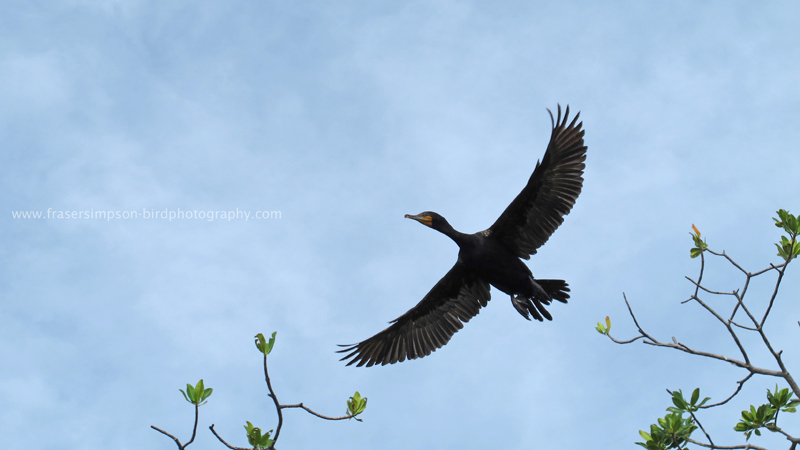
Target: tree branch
(223, 440)
(300, 405)
(194, 430)
(167, 434)
(741, 383)
(275, 400)
(724, 447)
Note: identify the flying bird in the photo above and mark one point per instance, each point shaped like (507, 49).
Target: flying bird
(490, 257)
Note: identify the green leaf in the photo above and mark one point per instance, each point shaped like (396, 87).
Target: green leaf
(645, 436)
(190, 392)
(185, 396)
(695, 396)
(677, 399)
(271, 342)
(198, 389)
(260, 342)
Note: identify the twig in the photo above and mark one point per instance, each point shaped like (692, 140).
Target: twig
(684, 348)
(725, 447)
(743, 326)
(164, 432)
(701, 427)
(741, 383)
(707, 290)
(223, 440)
(300, 405)
(275, 400)
(791, 438)
(728, 258)
(194, 430)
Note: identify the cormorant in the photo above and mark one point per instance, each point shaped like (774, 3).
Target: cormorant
(490, 257)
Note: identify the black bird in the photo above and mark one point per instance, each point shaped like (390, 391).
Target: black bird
(490, 257)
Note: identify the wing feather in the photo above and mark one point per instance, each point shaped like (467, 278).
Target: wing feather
(456, 298)
(533, 216)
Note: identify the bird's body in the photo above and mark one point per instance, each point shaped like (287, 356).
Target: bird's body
(490, 257)
(493, 262)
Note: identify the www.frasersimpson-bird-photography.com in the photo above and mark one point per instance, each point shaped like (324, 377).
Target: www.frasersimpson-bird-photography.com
(346, 117)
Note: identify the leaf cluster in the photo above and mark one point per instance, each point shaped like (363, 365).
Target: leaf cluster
(699, 244)
(789, 248)
(356, 405)
(604, 329)
(766, 415)
(197, 394)
(256, 439)
(673, 430)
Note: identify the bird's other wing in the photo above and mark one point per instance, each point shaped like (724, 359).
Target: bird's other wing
(456, 298)
(551, 191)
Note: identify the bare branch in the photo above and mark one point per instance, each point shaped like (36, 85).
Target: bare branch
(300, 405)
(167, 434)
(725, 447)
(707, 290)
(701, 427)
(275, 400)
(728, 327)
(743, 326)
(740, 383)
(625, 342)
(679, 346)
(791, 438)
(723, 254)
(774, 292)
(636, 322)
(223, 440)
(736, 362)
(771, 267)
(194, 430)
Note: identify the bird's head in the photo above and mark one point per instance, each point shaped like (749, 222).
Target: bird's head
(430, 219)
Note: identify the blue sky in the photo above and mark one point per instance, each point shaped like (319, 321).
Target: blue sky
(344, 116)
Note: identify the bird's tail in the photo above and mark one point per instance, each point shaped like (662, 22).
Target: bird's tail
(556, 289)
(545, 291)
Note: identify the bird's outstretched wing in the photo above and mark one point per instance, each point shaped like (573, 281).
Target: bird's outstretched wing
(456, 298)
(551, 191)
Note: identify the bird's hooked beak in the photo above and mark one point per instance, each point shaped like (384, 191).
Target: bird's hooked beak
(425, 220)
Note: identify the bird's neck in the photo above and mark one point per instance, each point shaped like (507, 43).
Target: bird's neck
(457, 236)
